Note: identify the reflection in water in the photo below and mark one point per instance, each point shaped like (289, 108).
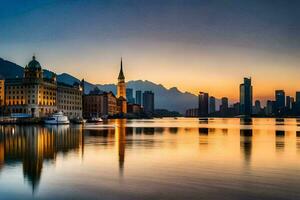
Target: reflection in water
(120, 138)
(246, 144)
(31, 145)
(203, 131)
(246, 121)
(171, 152)
(279, 143)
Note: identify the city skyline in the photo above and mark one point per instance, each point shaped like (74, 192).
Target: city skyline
(167, 43)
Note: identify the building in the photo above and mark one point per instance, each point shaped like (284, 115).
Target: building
(121, 92)
(129, 95)
(246, 97)
(134, 108)
(2, 87)
(36, 95)
(148, 102)
(257, 107)
(269, 108)
(288, 101)
(212, 104)
(138, 97)
(203, 104)
(193, 112)
(33, 94)
(279, 102)
(224, 106)
(99, 104)
(69, 99)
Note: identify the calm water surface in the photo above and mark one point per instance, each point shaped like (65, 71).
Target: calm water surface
(152, 159)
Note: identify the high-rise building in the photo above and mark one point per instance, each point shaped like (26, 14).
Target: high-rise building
(212, 104)
(257, 107)
(138, 97)
(288, 102)
(269, 108)
(148, 102)
(203, 104)
(279, 102)
(224, 105)
(121, 91)
(129, 95)
(246, 96)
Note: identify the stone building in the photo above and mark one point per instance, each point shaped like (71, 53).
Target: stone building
(32, 94)
(69, 99)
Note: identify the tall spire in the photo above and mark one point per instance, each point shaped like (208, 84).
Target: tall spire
(121, 74)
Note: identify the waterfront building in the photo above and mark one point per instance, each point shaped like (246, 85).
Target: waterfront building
(99, 104)
(138, 97)
(134, 108)
(69, 99)
(2, 82)
(148, 102)
(129, 95)
(33, 94)
(203, 104)
(224, 106)
(246, 97)
(269, 108)
(288, 101)
(37, 95)
(279, 102)
(257, 107)
(212, 104)
(193, 112)
(121, 92)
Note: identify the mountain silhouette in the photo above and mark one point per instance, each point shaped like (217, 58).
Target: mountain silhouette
(171, 99)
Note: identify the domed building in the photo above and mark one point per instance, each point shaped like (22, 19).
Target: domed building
(38, 96)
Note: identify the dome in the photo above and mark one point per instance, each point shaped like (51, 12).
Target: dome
(34, 64)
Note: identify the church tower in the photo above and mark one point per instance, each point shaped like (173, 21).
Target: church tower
(121, 92)
(121, 88)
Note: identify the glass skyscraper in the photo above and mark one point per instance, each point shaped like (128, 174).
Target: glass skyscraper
(246, 97)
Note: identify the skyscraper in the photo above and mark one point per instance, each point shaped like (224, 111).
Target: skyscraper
(129, 95)
(212, 104)
(138, 97)
(288, 102)
(148, 102)
(246, 93)
(203, 104)
(279, 101)
(224, 105)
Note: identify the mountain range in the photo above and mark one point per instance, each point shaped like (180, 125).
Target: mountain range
(171, 99)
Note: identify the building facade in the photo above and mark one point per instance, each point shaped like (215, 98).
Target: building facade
(33, 94)
(138, 97)
(69, 99)
(203, 104)
(246, 97)
(98, 105)
(148, 102)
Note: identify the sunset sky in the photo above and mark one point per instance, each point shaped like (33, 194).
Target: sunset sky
(207, 45)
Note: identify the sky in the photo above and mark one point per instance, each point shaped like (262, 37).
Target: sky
(203, 45)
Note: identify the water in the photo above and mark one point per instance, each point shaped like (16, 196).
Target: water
(152, 159)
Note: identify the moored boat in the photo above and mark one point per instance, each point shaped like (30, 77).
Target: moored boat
(95, 120)
(57, 118)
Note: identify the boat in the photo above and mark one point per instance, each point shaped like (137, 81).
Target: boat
(57, 118)
(95, 120)
(78, 120)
